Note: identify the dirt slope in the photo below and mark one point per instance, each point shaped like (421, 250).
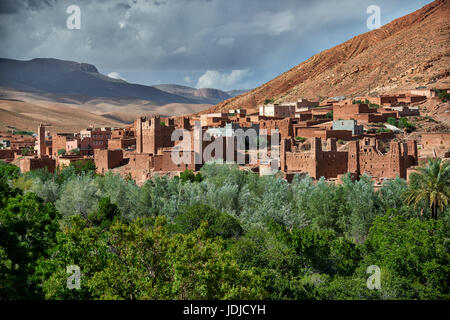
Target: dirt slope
(410, 51)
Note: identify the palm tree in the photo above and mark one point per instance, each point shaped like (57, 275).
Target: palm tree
(430, 185)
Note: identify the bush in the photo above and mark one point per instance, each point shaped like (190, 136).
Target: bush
(75, 151)
(61, 152)
(189, 175)
(8, 171)
(218, 223)
(392, 121)
(443, 95)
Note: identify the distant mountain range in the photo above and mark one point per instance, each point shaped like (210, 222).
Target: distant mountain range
(69, 96)
(203, 95)
(47, 75)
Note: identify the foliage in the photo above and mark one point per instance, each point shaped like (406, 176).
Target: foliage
(392, 121)
(189, 175)
(223, 233)
(218, 223)
(82, 166)
(430, 185)
(443, 95)
(27, 230)
(26, 151)
(75, 151)
(413, 253)
(8, 171)
(23, 132)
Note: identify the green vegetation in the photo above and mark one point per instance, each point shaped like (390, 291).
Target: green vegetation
(61, 152)
(189, 175)
(381, 130)
(22, 132)
(366, 101)
(300, 139)
(443, 95)
(75, 151)
(268, 101)
(223, 233)
(401, 123)
(26, 151)
(330, 115)
(430, 185)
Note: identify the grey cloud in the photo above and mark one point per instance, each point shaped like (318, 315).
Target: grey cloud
(10, 6)
(123, 6)
(183, 36)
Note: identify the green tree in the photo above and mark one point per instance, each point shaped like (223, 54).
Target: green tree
(27, 231)
(81, 166)
(80, 244)
(189, 175)
(75, 151)
(78, 196)
(61, 152)
(392, 121)
(430, 185)
(413, 255)
(8, 171)
(106, 214)
(151, 264)
(218, 223)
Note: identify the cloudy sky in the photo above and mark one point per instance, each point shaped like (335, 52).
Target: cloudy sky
(226, 44)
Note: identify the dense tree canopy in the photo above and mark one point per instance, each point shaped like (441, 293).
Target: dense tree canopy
(223, 233)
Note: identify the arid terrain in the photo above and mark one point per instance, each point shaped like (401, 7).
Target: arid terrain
(61, 113)
(411, 51)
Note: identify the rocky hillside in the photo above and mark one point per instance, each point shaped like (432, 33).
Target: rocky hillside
(411, 51)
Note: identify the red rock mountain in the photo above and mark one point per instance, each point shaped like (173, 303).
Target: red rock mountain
(410, 51)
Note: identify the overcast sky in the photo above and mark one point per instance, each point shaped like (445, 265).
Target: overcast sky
(225, 44)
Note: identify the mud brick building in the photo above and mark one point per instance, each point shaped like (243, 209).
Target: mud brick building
(361, 112)
(93, 138)
(315, 162)
(60, 140)
(121, 139)
(351, 125)
(367, 158)
(322, 133)
(277, 110)
(32, 163)
(106, 159)
(8, 155)
(285, 127)
(364, 157)
(436, 144)
(152, 135)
